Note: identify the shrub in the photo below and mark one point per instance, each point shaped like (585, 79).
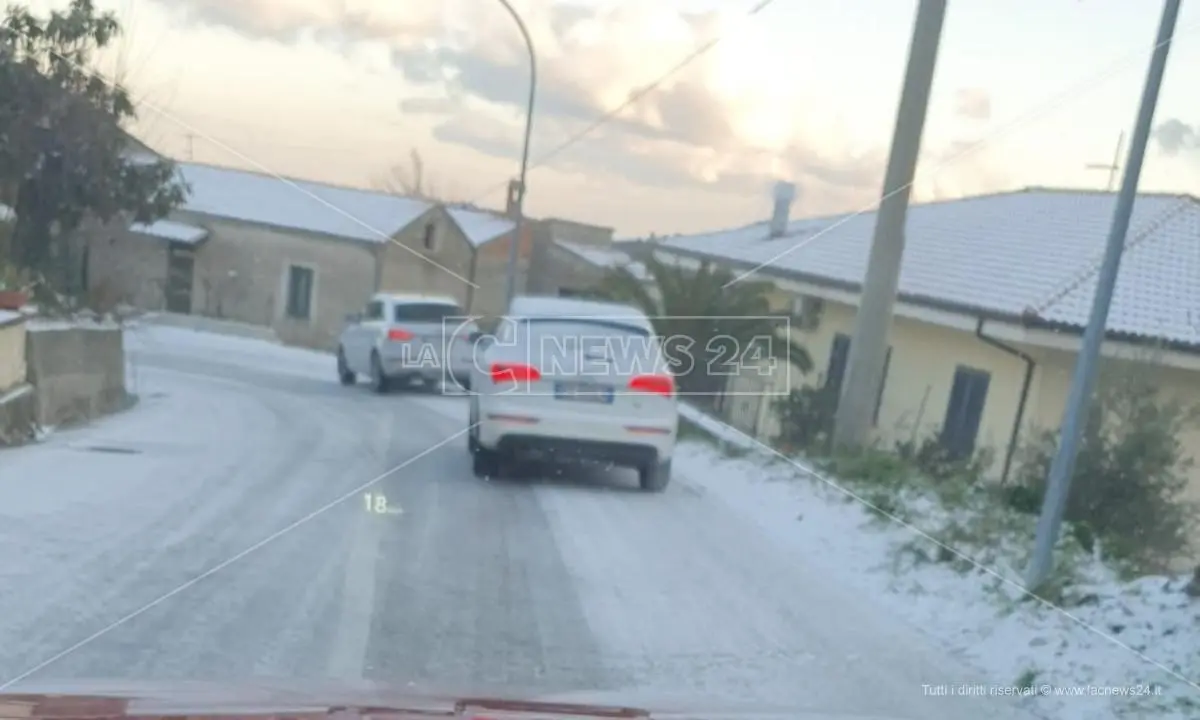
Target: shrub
(1130, 473)
(806, 418)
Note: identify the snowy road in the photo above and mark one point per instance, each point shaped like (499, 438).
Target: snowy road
(555, 587)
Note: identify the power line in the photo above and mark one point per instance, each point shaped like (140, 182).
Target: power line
(634, 97)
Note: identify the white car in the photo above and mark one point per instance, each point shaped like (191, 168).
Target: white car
(570, 380)
(398, 339)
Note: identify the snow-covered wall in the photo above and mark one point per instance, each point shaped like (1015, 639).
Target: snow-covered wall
(78, 371)
(12, 350)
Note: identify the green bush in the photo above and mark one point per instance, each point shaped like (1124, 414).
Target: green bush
(952, 478)
(806, 418)
(1129, 477)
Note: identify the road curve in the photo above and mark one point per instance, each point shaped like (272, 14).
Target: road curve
(220, 530)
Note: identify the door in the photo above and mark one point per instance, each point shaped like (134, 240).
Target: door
(181, 263)
(363, 334)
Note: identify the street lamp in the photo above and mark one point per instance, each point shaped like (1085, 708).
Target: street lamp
(519, 205)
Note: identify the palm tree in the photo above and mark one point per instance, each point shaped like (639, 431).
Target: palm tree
(704, 321)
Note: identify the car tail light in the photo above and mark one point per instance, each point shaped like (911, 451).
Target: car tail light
(657, 384)
(399, 334)
(514, 372)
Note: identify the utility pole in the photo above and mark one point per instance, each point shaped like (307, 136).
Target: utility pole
(191, 146)
(1058, 484)
(1112, 167)
(513, 247)
(868, 346)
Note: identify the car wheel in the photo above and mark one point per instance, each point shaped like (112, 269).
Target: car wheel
(485, 463)
(473, 430)
(379, 381)
(654, 476)
(345, 374)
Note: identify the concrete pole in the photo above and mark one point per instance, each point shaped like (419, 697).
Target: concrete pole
(1058, 484)
(514, 245)
(868, 346)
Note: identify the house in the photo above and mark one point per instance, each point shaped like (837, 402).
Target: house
(297, 255)
(994, 294)
(570, 258)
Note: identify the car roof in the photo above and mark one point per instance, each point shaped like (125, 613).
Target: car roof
(549, 306)
(401, 298)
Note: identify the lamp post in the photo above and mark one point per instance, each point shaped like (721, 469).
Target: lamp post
(519, 205)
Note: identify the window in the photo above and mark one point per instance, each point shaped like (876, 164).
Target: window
(839, 353)
(374, 310)
(425, 312)
(839, 356)
(571, 293)
(430, 239)
(965, 410)
(299, 292)
(887, 365)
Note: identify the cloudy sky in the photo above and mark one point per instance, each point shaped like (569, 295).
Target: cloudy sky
(1028, 92)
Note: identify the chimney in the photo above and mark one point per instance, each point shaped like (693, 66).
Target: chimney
(785, 193)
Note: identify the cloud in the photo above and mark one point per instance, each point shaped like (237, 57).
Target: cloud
(429, 106)
(721, 123)
(973, 104)
(1175, 136)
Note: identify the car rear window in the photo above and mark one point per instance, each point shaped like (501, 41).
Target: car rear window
(426, 312)
(575, 345)
(582, 326)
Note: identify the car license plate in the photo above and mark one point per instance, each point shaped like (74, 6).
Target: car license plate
(584, 392)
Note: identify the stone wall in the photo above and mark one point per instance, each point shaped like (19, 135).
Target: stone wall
(12, 350)
(78, 371)
(17, 412)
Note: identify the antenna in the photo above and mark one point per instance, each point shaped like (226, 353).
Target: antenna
(1114, 166)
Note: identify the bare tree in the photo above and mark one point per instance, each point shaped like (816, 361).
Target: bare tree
(411, 180)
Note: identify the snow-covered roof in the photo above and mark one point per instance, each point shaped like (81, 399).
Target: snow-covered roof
(171, 230)
(479, 226)
(297, 204)
(604, 257)
(353, 213)
(1009, 254)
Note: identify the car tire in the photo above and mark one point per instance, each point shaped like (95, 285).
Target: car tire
(473, 430)
(655, 476)
(380, 382)
(485, 463)
(346, 376)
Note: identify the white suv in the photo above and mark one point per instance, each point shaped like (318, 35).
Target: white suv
(398, 339)
(574, 379)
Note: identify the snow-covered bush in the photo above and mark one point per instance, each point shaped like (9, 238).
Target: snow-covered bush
(1130, 475)
(805, 418)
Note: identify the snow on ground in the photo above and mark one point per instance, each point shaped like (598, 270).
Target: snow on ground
(1131, 634)
(259, 354)
(1143, 633)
